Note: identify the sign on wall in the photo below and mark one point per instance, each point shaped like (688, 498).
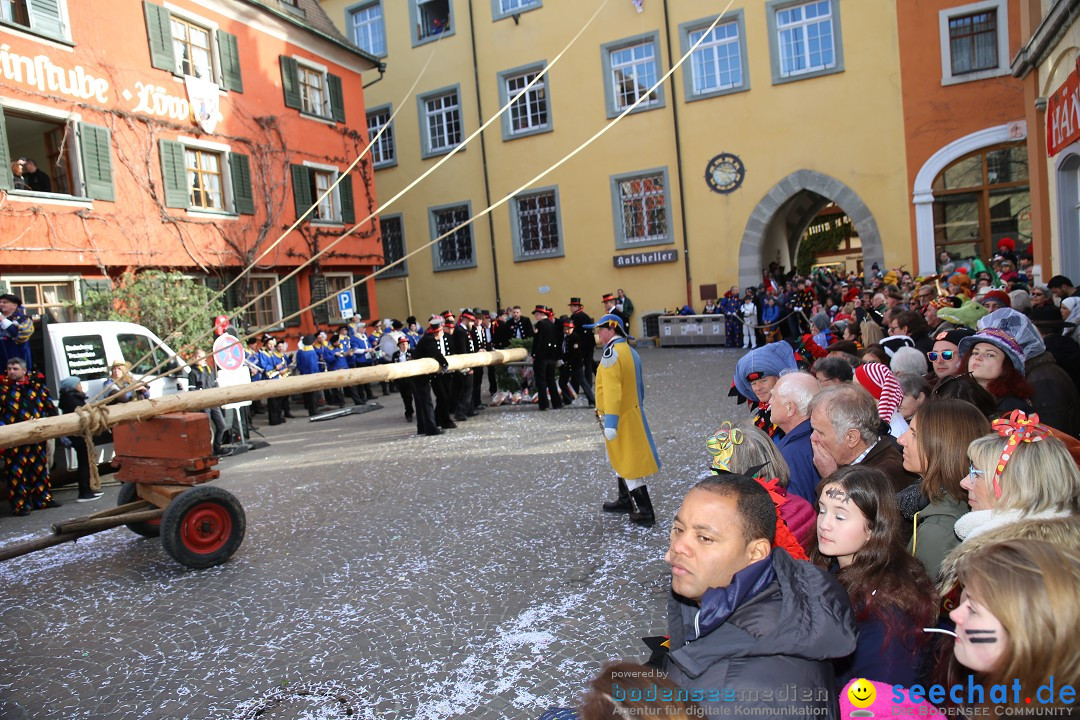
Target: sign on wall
(646, 258)
(1063, 114)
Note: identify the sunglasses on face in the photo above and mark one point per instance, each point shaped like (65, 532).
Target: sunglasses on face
(945, 355)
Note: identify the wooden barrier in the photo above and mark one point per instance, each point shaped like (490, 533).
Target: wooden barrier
(33, 431)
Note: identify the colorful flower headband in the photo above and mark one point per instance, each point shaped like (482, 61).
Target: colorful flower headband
(721, 445)
(1018, 427)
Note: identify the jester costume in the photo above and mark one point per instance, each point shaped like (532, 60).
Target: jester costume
(26, 468)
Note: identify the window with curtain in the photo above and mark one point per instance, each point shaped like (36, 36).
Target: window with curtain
(40, 298)
(973, 42)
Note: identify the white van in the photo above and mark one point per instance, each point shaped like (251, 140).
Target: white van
(87, 349)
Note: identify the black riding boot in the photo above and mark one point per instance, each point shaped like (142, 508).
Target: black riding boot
(643, 515)
(623, 504)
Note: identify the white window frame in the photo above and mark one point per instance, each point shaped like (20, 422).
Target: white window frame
(606, 51)
(335, 194)
(426, 149)
(505, 94)
(387, 141)
(327, 113)
(350, 23)
(1002, 9)
(74, 157)
(622, 241)
(210, 27)
(779, 76)
(275, 299)
(499, 9)
(690, 80)
(436, 263)
(223, 151)
(14, 28)
(75, 280)
(516, 226)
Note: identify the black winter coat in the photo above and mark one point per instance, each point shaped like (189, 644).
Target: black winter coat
(773, 650)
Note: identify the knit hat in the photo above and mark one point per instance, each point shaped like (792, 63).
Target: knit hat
(1018, 326)
(999, 295)
(967, 314)
(879, 381)
(770, 360)
(999, 339)
(70, 383)
(820, 321)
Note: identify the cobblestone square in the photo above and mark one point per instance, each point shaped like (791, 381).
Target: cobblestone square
(383, 575)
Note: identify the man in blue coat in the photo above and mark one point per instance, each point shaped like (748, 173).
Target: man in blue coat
(16, 327)
(789, 404)
(752, 631)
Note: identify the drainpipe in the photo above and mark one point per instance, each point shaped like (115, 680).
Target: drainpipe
(483, 159)
(382, 71)
(678, 162)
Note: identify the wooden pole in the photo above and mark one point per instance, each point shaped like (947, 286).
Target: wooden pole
(106, 523)
(34, 431)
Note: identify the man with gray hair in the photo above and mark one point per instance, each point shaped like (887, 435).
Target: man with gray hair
(847, 431)
(790, 402)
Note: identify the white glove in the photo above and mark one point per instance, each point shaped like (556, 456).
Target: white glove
(5, 323)
(610, 433)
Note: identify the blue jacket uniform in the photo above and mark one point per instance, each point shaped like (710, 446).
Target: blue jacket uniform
(337, 358)
(361, 345)
(307, 360)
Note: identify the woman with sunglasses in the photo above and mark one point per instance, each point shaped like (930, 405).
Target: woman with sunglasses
(1040, 295)
(1022, 472)
(945, 359)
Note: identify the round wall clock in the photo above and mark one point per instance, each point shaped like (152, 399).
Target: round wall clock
(725, 173)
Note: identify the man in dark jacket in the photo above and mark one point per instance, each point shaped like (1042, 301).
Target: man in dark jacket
(587, 341)
(464, 342)
(429, 346)
(846, 431)
(750, 628)
(545, 350)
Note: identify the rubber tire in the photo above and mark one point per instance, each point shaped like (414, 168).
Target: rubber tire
(221, 526)
(146, 528)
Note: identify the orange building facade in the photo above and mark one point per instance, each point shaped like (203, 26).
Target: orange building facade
(965, 128)
(183, 135)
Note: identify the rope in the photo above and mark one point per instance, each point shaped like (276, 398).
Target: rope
(641, 98)
(93, 420)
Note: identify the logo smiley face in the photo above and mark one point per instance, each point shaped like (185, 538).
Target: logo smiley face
(861, 693)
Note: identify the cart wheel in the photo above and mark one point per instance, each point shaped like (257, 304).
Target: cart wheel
(203, 527)
(146, 528)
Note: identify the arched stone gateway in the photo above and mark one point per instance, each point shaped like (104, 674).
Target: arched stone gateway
(785, 212)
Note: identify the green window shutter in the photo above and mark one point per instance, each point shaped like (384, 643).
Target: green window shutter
(159, 32)
(348, 213)
(290, 82)
(230, 61)
(243, 198)
(301, 183)
(290, 301)
(173, 174)
(45, 18)
(337, 97)
(6, 180)
(96, 148)
(320, 312)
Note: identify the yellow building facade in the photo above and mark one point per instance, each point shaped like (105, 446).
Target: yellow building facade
(786, 106)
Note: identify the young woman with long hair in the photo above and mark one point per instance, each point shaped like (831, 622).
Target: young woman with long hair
(935, 448)
(995, 360)
(1018, 620)
(858, 539)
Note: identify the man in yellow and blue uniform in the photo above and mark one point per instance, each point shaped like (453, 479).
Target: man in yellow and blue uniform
(620, 396)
